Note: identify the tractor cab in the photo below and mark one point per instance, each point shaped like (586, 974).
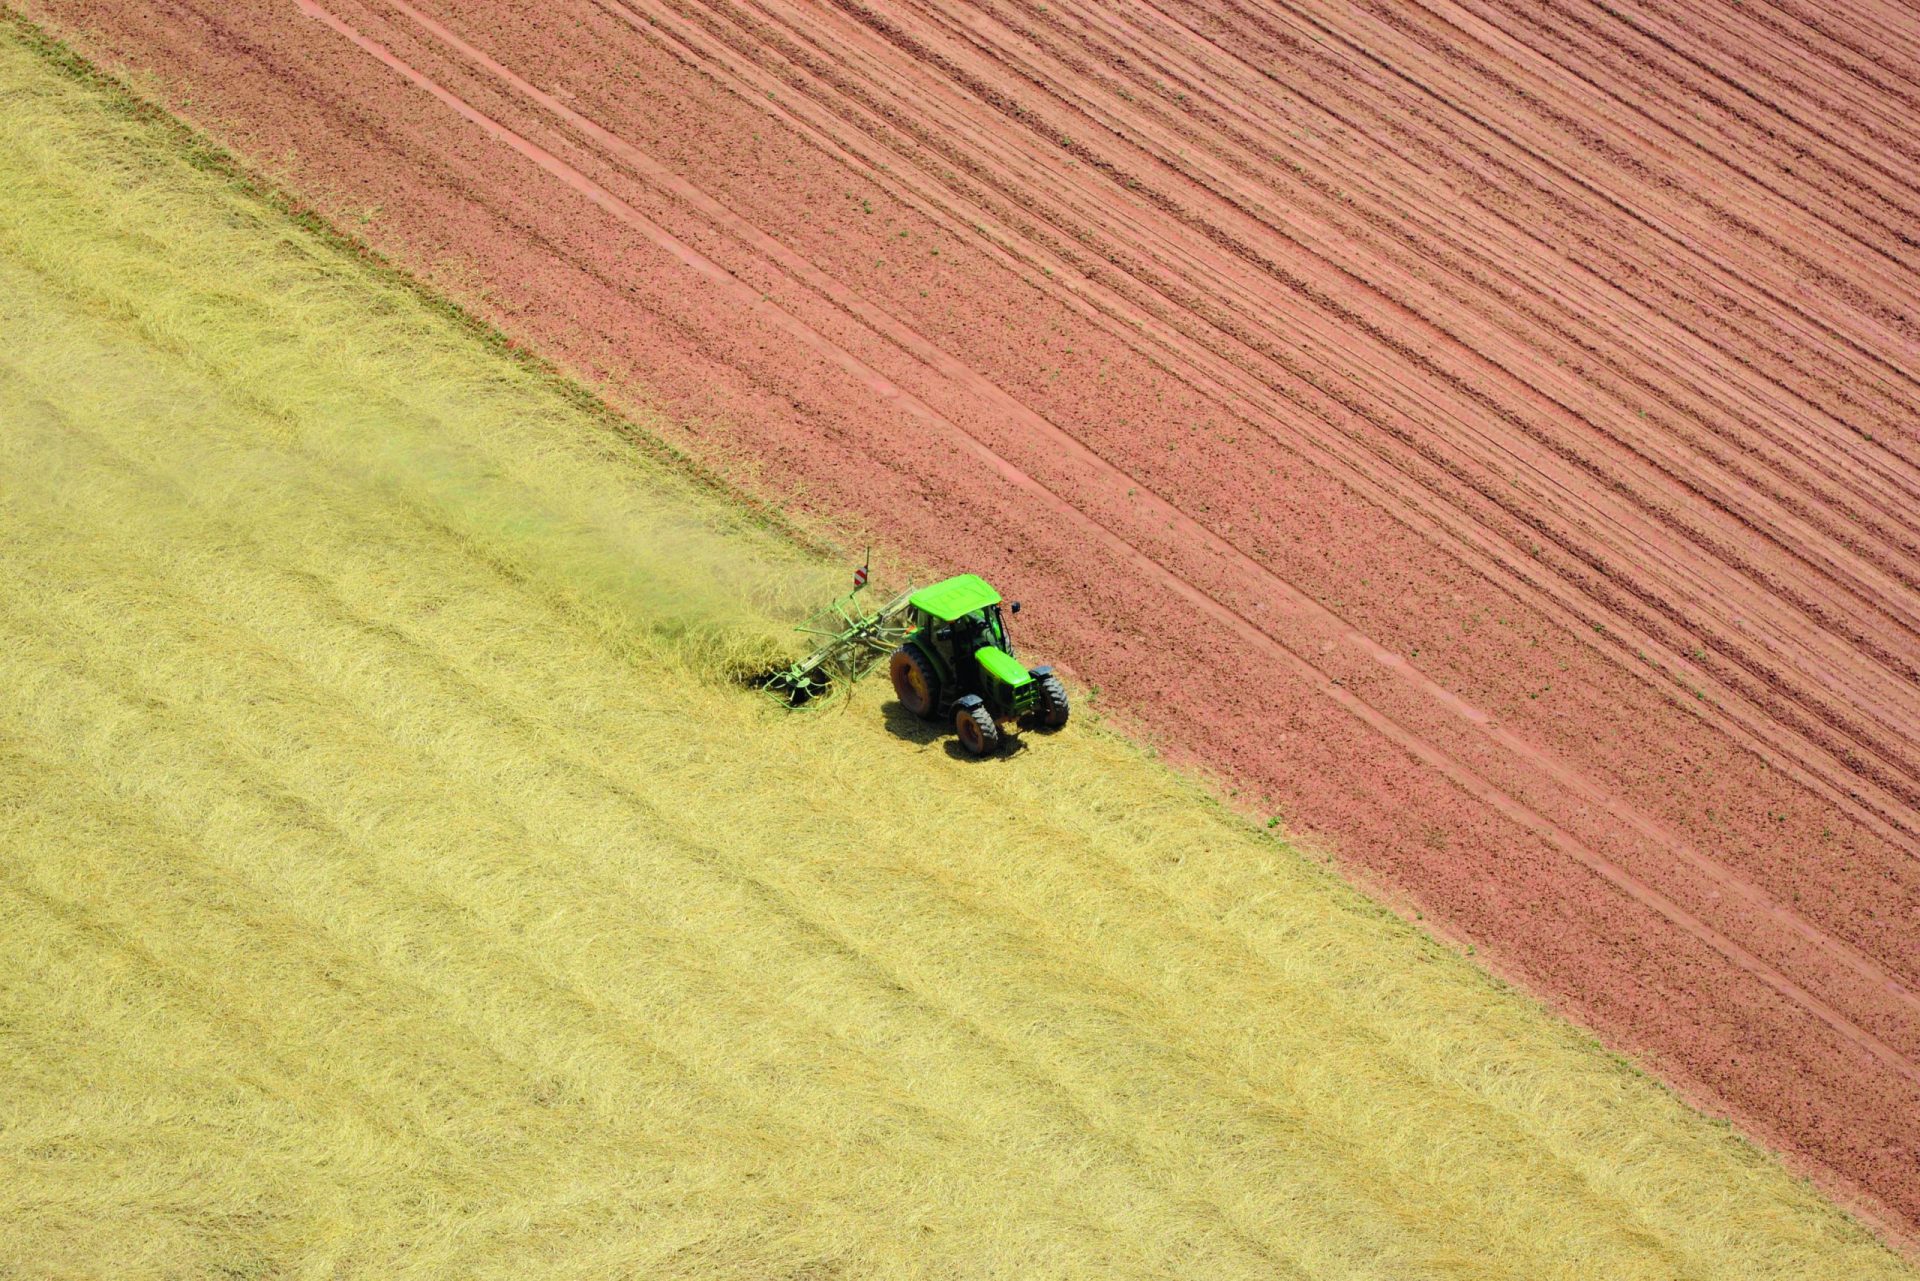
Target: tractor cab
(959, 662)
(959, 617)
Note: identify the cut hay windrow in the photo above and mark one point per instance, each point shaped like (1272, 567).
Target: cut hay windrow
(388, 888)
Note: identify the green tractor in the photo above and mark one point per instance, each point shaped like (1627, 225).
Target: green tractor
(958, 662)
(950, 658)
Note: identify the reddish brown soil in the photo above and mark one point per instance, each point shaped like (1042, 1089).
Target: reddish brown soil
(1484, 427)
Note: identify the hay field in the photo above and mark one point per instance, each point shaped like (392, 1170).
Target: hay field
(389, 887)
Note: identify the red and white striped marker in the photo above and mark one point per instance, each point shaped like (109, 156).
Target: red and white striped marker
(859, 578)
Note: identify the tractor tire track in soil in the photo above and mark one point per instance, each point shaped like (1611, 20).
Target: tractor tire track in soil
(1486, 430)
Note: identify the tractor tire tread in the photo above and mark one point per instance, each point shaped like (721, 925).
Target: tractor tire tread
(985, 739)
(1051, 709)
(908, 662)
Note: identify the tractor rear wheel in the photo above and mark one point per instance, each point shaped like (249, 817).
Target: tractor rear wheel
(915, 681)
(979, 732)
(1051, 706)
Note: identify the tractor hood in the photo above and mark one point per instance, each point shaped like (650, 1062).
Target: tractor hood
(996, 662)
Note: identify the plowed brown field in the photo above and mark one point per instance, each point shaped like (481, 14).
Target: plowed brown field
(1487, 429)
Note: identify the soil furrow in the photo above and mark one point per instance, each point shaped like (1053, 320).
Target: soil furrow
(1855, 283)
(1546, 128)
(1707, 325)
(1461, 266)
(1654, 66)
(1726, 46)
(1664, 260)
(1891, 48)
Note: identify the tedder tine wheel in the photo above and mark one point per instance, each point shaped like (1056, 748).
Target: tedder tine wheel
(978, 732)
(915, 681)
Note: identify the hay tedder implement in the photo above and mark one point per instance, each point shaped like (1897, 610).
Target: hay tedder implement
(948, 654)
(850, 641)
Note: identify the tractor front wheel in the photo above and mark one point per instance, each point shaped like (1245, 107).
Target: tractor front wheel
(1051, 706)
(978, 731)
(915, 681)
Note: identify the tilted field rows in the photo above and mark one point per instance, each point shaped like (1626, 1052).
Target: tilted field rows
(397, 881)
(1486, 430)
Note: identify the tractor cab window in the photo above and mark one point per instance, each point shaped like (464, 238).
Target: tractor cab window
(997, 629)
(962, 636)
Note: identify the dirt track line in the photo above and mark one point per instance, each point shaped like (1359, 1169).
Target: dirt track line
(1744, 123)
(1871, 74)
(1750, 406)
(1698, 494)
(1528, 338)
(1856, 19)
(1882, 567)
(1686, 56)
(1656, 600)
(1761, 214)
(1620, 640)
(1655, 78)
(1271, 227)
(1448, 152)
(1683, 237)
(1429, 753)
(1644, 118)
(1331, 75)
(1863, 324)
(1784, 530)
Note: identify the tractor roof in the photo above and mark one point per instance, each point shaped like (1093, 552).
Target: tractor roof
(961, 594)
